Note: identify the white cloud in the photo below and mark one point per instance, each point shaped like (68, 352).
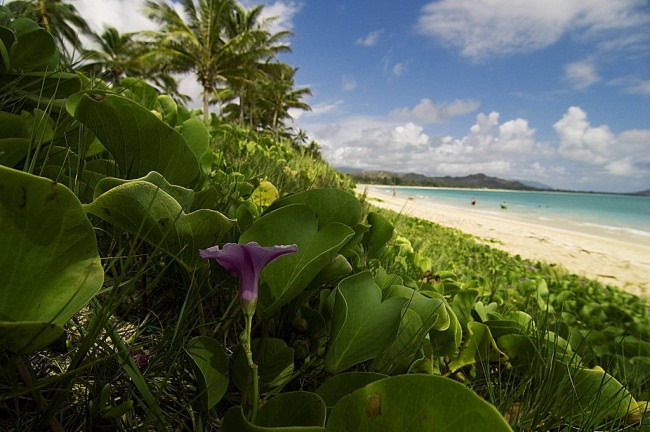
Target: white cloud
(190, 86)
(582, 142)
(348, 83)
(125, 15)
(583, 156)
(375, 143)
(370, 39)
(319, 109)
(625, 154)
(283, 13)
(581, 74)
(398, 69)
(639, 86)
(487, 28)
(428, 112)
(622, 167)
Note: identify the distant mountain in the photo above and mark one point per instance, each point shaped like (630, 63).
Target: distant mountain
(477, 181)
(536, 185)
(643, 193)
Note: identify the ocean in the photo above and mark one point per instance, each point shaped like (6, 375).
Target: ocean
(617, 216)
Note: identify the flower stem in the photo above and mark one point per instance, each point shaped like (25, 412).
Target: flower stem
(246, 343)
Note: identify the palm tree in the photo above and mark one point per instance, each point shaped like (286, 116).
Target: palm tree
(198, 45)
(278, 96)
(116, 57)
(59, 18)
(120, 54)
(256, 47)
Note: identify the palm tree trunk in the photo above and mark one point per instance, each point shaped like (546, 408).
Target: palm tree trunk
(241, 107)
(275, 123)
(206, 105)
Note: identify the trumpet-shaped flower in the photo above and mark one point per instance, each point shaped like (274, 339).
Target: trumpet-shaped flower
(246, 262)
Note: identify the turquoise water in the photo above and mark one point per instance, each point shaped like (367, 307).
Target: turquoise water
(605, 214)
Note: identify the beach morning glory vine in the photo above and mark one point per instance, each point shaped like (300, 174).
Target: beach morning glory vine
(247, 262)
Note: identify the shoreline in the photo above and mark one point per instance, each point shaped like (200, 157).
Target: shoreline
(625, 264)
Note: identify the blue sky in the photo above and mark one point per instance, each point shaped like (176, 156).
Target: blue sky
(556, 91)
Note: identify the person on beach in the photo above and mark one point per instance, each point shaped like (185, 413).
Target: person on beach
(394, 193)
(473, 201)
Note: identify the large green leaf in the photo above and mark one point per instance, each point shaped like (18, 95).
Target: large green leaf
(479, 347)
(399, 355)
(7, 39)
(197, 137)
(447, 342)
(462, 304)
(330, 205)
(381, 231)
(145, 209)
(299, 408)
(19, 133)
(182, 195)
(273, 358)
(45, 90)
(13, 150)
(586, 396)
(33, 47)
(284, 280)
(211, 366)
(432, 311)
(167, 106)
(137, 139)
(235, 421)
(415, 403)
(341, 385)
(361, 323)
(49, 260)
(138, 90)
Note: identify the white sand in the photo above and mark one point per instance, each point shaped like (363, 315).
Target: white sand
(612, 261)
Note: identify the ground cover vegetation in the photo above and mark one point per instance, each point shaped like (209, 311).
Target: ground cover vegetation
(363, 320)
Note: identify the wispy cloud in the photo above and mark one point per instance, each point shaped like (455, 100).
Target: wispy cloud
(493, 146)
(282, 12)
(481, 29)
(398, 69)
(633, 85)
(370, 39)
(428, 111)
(348, 83)
(581, 74)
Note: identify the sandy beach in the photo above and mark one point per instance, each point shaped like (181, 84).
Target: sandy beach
(612, 261)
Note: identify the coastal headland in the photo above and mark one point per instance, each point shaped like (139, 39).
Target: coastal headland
(611, 261)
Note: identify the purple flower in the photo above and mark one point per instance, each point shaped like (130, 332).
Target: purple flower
(141, 359)
(532, 268)
(246, 262)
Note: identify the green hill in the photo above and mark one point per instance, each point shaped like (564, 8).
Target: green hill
(413, 179)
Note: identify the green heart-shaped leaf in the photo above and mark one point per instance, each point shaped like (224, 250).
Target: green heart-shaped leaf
(330, 205)
(235, 421)
(292, 409)
(32, 48)
(137, 139)
(49, 259)
(142, 208)
(211, 365)
(479, 346)
(285, 279)
(273, 358)
(361, 322)
(416, 403)
(343, 384)
(381, 231)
